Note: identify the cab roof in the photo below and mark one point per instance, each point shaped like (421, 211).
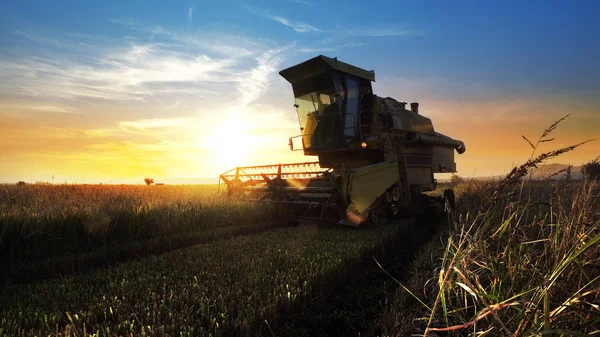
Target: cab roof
(321, 64)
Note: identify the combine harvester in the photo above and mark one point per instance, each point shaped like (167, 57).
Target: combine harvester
(375, 157)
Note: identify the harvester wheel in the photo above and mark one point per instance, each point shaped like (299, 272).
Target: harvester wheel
(394, 209)
(388, 197)
(396, 193)
(375, 217)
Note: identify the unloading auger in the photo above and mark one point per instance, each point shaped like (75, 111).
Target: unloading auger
(375, 157)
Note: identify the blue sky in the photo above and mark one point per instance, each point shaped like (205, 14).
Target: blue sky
(524, 43)
(153, 82)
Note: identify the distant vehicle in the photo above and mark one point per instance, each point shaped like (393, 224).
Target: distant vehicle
(375, 156)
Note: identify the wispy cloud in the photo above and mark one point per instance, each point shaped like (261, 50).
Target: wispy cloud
(154, 93)
(52, 108)
(334, 47)
(119, 76)
(218, 43)
(316, 50)
(191, 13)
(157, 123)
(302, 2)
(254, 83)
(298, 26)
(339, 32)
(131, 70)
(383, 31)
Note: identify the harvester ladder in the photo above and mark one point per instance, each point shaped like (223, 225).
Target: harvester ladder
(405, 197)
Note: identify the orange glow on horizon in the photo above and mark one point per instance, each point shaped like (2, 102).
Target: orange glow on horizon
(36, 147)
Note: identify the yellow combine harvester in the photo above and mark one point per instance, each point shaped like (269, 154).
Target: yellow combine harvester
(376, 157)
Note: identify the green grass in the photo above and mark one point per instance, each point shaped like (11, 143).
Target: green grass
(221, 288)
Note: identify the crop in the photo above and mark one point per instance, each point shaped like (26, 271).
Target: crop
(41, 221)
(228, 287)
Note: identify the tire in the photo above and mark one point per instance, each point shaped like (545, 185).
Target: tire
(388, 197)
(394, 210)
(396, 193)
(375, 217)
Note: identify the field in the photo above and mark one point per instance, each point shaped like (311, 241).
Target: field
(516, 257)
(219, 288)
(244, 274)
(47, 229)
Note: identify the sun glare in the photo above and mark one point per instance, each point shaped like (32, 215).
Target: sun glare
(233, 143)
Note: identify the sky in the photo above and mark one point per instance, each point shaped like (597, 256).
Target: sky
(111, 92)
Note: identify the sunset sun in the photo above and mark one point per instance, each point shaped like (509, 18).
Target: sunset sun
(233, 142)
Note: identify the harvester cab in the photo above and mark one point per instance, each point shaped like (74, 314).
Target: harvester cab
(329, 95)
(375, 157)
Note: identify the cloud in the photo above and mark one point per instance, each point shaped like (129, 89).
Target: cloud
(191, 13)
(158, 123)
(52, 108)
(330, 49)
(339, 33)
(383, 31)
(121, 76)
(302, 2)
(255, 82)
(219, 44)
(316, 50)
(154, 93)
(132, 69)
(298, 26)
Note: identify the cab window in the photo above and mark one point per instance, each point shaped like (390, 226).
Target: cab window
(352, 109)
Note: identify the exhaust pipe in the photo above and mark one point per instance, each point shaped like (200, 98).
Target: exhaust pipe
(414, 107)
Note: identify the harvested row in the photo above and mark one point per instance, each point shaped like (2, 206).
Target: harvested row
(41, 221)
(354, 305)
(222, 288)
(80, 263)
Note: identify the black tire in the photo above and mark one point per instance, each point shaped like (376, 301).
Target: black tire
(395, 193)
(375, 217)
(394, 210)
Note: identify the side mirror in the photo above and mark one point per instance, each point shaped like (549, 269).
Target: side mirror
(291, 142)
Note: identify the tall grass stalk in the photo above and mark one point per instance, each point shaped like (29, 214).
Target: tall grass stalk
(524, 260)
